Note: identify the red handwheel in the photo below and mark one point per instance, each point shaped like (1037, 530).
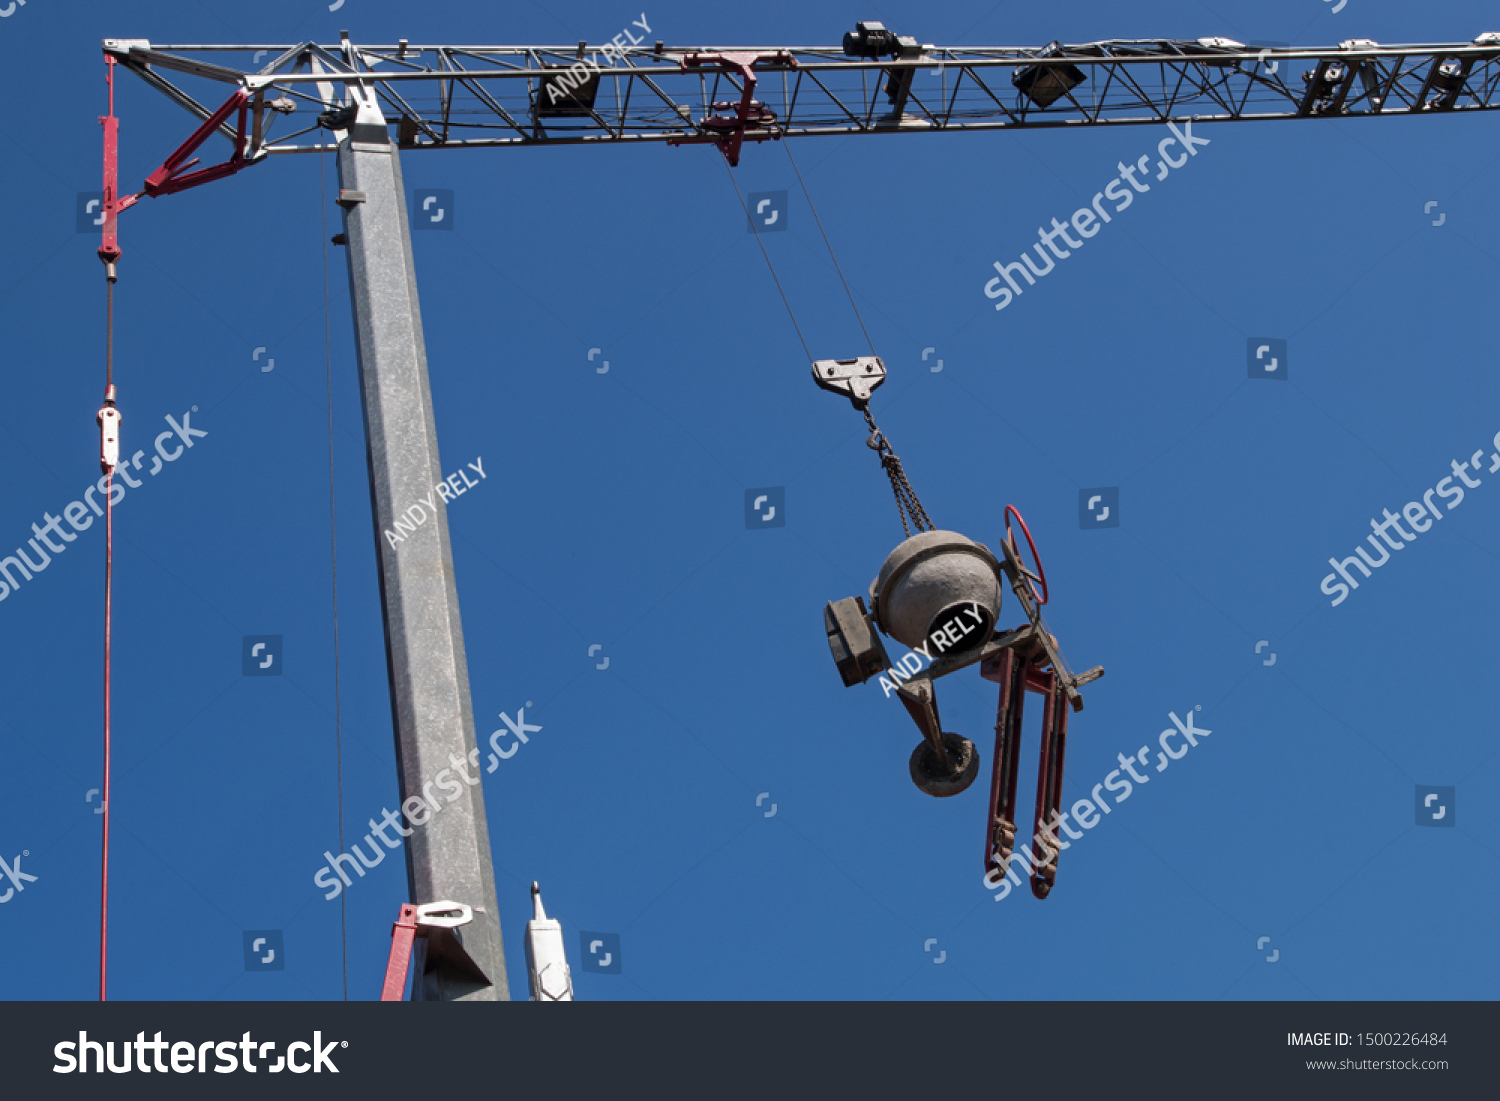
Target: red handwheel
(1041, 574)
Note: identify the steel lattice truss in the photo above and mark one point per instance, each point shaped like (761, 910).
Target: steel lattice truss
(451, 96)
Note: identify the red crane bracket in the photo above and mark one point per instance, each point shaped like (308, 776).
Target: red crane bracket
(169, 177)
(736, 128)
(403, 935)
(109, 249)
(433, 923)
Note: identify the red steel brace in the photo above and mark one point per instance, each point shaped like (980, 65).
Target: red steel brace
(403, 935)
(167, 179)
(109, 250)
(434, 922)
(742, 63)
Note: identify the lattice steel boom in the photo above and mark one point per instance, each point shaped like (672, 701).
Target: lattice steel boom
(464, 96)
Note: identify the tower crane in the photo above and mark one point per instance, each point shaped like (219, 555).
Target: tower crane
(345, 98)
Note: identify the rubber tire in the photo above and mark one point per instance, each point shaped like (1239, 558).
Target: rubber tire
(924, 772)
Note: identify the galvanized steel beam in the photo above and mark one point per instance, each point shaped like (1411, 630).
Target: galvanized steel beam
(449, 856)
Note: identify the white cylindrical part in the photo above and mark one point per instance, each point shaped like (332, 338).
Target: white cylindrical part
(545, 958)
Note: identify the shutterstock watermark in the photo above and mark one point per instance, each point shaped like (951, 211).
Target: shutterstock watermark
(189, 1058)
(519, 729)
(1087, 812)
(77, 513)
(1416, 514)
(418, 810)
(18, 878)
(1087, 221)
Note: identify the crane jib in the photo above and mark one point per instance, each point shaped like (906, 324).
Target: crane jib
(453, 95)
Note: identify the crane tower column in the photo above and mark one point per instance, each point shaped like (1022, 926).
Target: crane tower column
(447, 857)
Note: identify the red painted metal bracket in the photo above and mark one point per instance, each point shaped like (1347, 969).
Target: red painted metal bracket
(435, 923)
(403, 935)
(109, 249)
(736, 127)
(169, 178)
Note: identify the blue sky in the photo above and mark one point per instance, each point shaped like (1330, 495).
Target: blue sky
(612, 514)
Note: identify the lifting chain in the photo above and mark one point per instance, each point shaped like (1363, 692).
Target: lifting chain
(907, 503)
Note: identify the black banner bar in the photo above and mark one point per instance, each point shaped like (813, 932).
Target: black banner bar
(759, 1050)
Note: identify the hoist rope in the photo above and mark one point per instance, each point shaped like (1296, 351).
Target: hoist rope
(108, 420)
(769, 265)
(808, 196)
(109, 570)
(109, 335)
(908, 506)
(338, 725)
(109, 558)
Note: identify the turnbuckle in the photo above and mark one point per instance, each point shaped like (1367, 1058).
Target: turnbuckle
(108, 419)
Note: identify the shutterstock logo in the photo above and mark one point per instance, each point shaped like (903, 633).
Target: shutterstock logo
(80, 514)
(189, 1058)
(1099, 508)
(1436, 806)
(767, 211)
(1266, 357)
(1172, 745)
(1087, 221)
(434, 209)
(17, 877)
(765, 508)
(1420, 515)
